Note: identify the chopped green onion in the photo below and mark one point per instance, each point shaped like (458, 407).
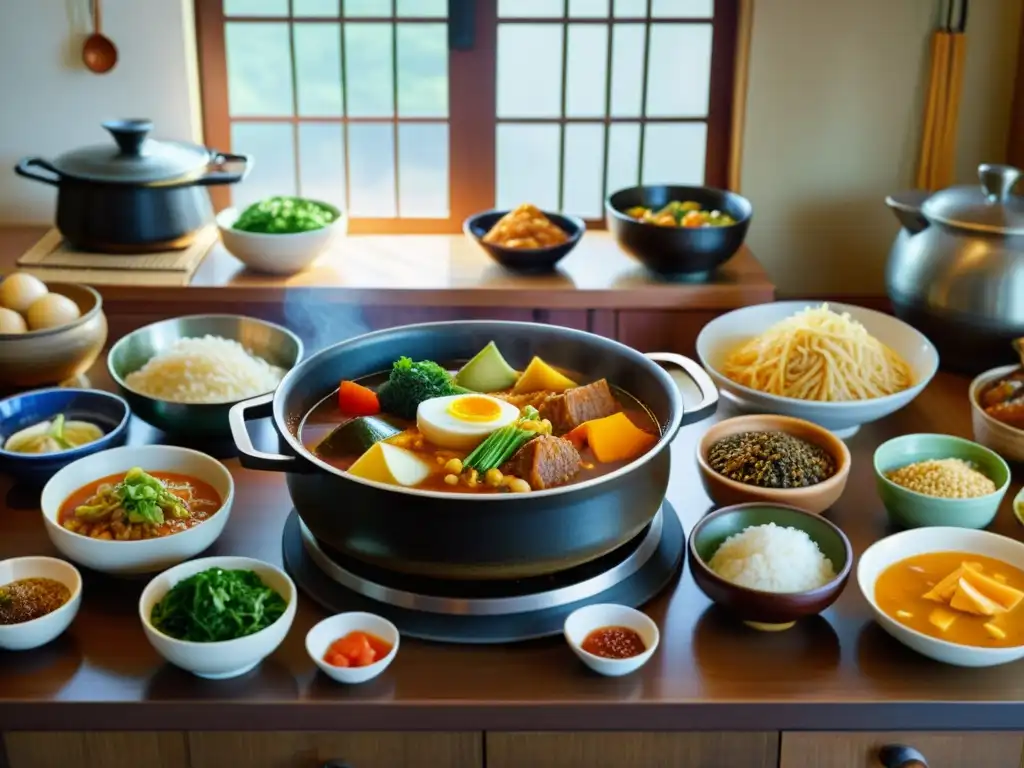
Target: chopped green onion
(502, 444)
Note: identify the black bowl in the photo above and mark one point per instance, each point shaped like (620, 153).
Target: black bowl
(675, 251)
(525, 259)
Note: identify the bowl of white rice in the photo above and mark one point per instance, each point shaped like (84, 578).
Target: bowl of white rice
(769, 564)
(183, 375)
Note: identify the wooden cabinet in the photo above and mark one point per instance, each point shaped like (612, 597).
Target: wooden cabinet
(102, 749)
(273, 749)
(941, 750)
(354, 750)
(632, 750)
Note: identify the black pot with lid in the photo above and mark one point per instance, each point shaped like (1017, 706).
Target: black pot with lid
(135, 193)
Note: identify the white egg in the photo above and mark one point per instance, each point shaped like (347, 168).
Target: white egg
(18, 290)
(51, 311)
(461, 422)
(11, 321)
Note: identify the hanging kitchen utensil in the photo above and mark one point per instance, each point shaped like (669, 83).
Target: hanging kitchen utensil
(99, 53)
(938, 141)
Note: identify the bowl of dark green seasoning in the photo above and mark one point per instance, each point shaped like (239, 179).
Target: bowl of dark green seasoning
(776, 459)
(280, 235)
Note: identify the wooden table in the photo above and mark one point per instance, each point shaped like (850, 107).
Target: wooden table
(837, 672)
(369, 282)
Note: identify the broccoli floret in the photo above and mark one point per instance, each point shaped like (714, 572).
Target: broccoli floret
(410, 383)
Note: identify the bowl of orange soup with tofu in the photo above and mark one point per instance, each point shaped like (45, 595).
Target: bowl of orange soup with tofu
(954, 595)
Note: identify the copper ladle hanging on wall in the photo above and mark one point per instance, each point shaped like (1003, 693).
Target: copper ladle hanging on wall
(98, 53)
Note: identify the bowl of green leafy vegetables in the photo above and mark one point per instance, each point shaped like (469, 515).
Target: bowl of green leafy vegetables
(218, 617)
(280, 235)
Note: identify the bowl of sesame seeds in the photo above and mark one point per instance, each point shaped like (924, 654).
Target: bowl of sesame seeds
(776, 459)
(930, 479)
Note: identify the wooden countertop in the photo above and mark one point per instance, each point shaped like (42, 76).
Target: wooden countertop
(445, 270)
(839, 671)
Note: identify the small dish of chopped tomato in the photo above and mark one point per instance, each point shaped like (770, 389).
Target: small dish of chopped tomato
(357, 649)
(353, 647)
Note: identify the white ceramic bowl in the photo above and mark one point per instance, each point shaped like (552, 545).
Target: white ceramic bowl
(1005, 440)
(723, 334)
(320, 638)
(917, 541)
(583, 621)
(32, 634)
(124, 558)
(284, 254)
(231, 658)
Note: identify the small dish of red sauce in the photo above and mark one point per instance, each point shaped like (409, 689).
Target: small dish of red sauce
(614, 643)
(611, 639)
(357, 649)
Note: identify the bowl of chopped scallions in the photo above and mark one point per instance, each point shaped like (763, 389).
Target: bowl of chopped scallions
(218, 617)
(280, 235)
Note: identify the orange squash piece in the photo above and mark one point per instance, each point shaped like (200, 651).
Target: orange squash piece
(615, 438)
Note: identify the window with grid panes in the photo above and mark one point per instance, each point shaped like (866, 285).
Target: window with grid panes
(368, 105)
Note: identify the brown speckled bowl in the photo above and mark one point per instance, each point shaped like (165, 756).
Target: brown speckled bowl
(769, 611)
(814, 498)
(50, 356)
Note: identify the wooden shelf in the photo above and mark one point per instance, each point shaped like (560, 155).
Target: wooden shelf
(442, 271)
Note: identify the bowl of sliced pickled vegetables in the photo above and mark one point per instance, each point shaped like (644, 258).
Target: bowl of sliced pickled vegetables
(45, 430)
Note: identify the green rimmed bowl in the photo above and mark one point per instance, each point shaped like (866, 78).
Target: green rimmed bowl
(762, 610)
(910, 509)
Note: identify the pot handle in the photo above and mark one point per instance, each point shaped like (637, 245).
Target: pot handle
(906, 206)
(708, 392)
(214, 178)
(248, 456)
(26, 165)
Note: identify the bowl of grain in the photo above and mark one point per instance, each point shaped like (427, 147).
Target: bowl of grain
(928, 480)
(777, 459)
(769, 564)
(183, 375)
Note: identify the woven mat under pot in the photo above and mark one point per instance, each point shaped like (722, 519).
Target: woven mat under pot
(51, 259)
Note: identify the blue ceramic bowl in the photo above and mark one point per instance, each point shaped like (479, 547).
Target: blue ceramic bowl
(108, 412)
(525, 259)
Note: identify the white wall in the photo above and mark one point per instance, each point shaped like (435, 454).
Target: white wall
(834, 113)
(50, 103)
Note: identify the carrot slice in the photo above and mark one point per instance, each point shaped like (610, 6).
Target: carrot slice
(357, 400)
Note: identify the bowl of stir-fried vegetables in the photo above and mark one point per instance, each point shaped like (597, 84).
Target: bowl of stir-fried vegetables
(678, 230)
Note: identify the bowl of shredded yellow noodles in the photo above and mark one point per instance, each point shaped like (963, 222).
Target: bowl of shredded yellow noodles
(837, 365)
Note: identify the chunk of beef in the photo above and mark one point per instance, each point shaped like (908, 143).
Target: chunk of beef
(544, 462)
(574, 406)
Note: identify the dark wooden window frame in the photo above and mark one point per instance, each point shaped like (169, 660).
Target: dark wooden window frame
(472, 112)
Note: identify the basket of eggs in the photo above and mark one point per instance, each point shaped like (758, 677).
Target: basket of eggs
(48, 332)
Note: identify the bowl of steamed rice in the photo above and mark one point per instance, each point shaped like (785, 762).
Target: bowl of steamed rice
(769, 564)
(183, 375)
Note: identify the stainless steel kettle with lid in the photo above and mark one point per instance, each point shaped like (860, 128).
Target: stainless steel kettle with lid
(956, 270)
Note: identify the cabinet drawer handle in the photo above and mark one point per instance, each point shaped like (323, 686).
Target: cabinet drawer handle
(336, 764)
(899, 756)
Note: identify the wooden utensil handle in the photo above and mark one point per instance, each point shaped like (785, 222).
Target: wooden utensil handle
(97, 15)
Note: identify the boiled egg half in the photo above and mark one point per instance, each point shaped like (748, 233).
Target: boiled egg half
(461, 422)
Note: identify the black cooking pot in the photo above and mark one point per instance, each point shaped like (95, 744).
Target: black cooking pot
(458, 535)
(138, 195)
